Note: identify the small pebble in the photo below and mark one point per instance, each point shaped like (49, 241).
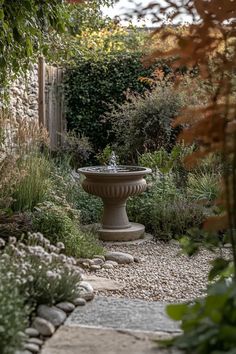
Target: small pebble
(107, 266)
(79, 302)
(81, 260)
(85, 294)
(86, 264)
(99, 257)
(31, 332)
(95, 267)
(35, 341)
(87, 286)
(44, 327)
(66, 306)
(52, 314)
(97, 261)
(115, 264)
(34, 348)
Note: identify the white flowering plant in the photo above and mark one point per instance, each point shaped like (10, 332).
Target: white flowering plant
(14, 312)
(42, 273)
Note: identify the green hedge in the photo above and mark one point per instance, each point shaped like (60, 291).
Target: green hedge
(93, 85)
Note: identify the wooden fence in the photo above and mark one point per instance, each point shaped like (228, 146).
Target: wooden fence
(51, 102)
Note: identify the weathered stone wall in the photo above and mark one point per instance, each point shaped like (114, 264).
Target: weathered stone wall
(24, 96)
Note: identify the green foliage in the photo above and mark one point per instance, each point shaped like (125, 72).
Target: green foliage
(30, 27)
(77, 149)
(104, 156)
(34, 185)
(90, 207)
(208, 324)
(164, 161)
(68, 192)
(93, 85)
(166, 208)
(165, 212)
(86, 21)
(57, 225)
(172, 219)
(13, 313)
(143, 123)
(204, 186)
(24, 25)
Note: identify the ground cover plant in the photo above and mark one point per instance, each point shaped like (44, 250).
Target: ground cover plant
(13, 314)
(37, 273)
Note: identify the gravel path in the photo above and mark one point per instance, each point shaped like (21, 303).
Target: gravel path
(162, 274)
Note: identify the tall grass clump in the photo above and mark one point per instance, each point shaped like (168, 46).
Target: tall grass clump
(34, 184)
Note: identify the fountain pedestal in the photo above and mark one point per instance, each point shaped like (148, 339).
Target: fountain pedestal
(114, 187)
(115, 222)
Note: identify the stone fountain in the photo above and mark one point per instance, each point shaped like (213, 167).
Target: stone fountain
(114, 184)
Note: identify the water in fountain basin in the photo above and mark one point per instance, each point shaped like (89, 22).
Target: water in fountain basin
(112, 166)
(106, 169)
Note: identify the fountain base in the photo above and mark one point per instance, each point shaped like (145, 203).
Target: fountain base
(135, 232)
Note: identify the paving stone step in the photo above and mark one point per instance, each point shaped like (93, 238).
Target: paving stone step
(81, 340)
(119, 313)
(114, 326)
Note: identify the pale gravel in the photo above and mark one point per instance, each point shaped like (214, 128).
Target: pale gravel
(163, 273)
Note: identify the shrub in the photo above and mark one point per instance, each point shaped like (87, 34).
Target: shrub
(164, 161)
(78, 149)
(93, 84)
(143, 123)
(165, 210)
(56, 225)
(13, 312)
(172, 219)
(140, 209)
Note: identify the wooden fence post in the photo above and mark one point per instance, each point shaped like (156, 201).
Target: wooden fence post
(41, 91)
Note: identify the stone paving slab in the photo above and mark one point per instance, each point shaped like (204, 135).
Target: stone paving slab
(80, 340)
(119, 313)
(99, 283)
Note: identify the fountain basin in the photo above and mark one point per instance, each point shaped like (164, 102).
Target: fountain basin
(114, 186)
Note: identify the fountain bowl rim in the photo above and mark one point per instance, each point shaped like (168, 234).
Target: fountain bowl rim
(88, 171)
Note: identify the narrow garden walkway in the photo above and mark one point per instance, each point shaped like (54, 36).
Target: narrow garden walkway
(111, 326)
(128, 311)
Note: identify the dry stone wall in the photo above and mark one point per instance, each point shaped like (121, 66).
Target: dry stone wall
(24, 96)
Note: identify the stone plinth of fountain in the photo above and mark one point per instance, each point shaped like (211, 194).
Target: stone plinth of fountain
(114, 184)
